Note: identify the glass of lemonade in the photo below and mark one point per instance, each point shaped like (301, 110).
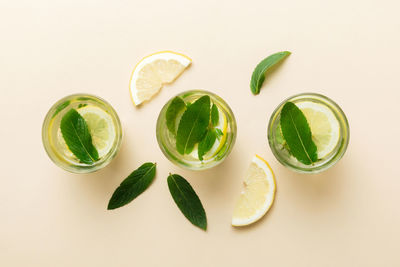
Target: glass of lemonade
(329, 131)
(102, 122)
(209, 133)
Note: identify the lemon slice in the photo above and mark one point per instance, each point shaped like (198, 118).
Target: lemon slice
(153, 71)
(62, 146)
(223, 126)
(324, 126)
(258, 194)
(101, 128)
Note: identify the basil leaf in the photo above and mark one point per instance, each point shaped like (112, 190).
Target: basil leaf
(187, 200)
(77, 137)
(297, 134)
(214, 115)
(207, 143)
(193, 125)
(259, 72)
(177, 106)
(135, 184)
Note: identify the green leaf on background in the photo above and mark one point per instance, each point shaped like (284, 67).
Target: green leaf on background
(135, 184)
(207, 143)
(297, 134)
(193, 125)
(187, 200)
(174, 109)
(77, 137)
(214, 115)
(266, 64)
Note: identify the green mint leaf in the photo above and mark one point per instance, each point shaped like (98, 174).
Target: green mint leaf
(207, 143)
(135, 184)
(82, 105)
(297, 134)
(174, 109)
(77, 137)
(187, 200)
(266, 64)
(193, 125)
(219, 133)
(214, 115)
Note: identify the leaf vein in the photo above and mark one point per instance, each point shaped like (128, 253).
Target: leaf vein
(81, 142)
(298, 135)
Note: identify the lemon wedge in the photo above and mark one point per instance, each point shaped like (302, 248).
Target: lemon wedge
(153, 71)
(258, 194)
(325, 128)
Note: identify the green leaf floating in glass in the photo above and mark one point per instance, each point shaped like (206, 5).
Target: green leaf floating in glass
(214, 115)
(193, 125)
(207, 143)
(174, 109)
(264, 66)
(297, 134)
(77, 137)
(187, 200)
(135, 184)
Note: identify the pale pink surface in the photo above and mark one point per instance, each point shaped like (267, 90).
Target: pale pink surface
(346, 50)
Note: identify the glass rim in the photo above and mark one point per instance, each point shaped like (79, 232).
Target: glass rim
(231, 120)
(56, 159)
(343, 122)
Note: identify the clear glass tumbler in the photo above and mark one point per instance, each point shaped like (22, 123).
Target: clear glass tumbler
(104, 126)
(325, 114)
(221, 148)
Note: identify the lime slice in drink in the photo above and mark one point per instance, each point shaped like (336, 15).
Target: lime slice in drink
(325, 128)
(101, 128)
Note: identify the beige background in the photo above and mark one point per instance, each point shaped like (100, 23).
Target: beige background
(347, 50)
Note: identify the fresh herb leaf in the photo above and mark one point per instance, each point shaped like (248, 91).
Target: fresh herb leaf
(214, 115)
(77, 137)
(83, 98)
(259, 72)
(135, 184)
(177, 106)
(207, 143)
(297, 134)
(193, 125)
(187, 200)
(82, 105)
(219, 133)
